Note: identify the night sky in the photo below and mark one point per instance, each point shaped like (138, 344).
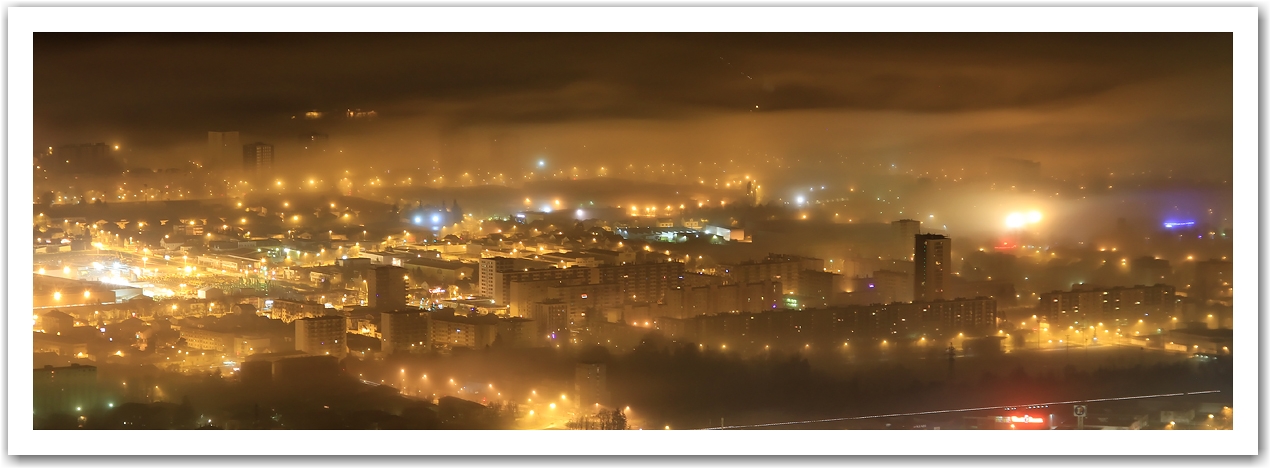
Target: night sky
(1076, 103)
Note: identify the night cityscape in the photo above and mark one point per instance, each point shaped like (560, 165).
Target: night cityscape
(633, 231)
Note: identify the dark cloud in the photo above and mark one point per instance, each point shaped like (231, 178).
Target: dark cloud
(159, 90)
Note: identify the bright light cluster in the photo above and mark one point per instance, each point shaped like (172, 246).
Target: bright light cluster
(1018, 220)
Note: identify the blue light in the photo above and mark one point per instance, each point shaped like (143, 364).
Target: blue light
(1178, 224)
(436, 218)
(418, 219)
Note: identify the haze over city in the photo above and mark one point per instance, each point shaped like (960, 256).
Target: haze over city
(633, 231)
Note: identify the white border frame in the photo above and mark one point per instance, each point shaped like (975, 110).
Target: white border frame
(1241, 21)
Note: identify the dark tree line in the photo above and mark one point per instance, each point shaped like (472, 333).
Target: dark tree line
(604, 420)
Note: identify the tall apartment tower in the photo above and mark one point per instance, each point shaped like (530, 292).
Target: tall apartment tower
(386, 288)
(222, 150)
(1213, 280)
(932, 265)
(257, 158)
(590, 382)
(486, 268)
(405, 331)
(902, 232)
(322, 336)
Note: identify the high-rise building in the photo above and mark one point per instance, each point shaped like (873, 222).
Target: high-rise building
(257, 158)
(87, 157)
(503, 280)
(932, 265)
(578, 295)
(486, 267)
(451, 331)
(643, 282)
(386, 288)
(816, 288)
(67, 390)
(1213, 280)
(591, 384)
(1088, 303)
(404, 331)
(785, 269)
(902, 232)
(322, 336)
(1149, 270)
(893, 286)
(553, 317)
(729, 298)
(222, 150)
(791, 329)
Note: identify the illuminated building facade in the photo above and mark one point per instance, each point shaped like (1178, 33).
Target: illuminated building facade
(590, 383)
(486, 268)
(643, 282)
(893, 286)
(68, 390)
(784, 269)
(289, 311)
(257, 158)
(504, 280)
(578, 295)
(902, 232)
(932, 265)
(796, 329)
(322, 336)
(451, 331)
(405, 331)
(1213, 280)
(553, 315)
(386, 288)
(1109, 304)
(718, 299)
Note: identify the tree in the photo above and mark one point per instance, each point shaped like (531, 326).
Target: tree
(582, 422)
(615, 421)
(604, 420)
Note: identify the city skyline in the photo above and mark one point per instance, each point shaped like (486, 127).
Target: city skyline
(637, 231)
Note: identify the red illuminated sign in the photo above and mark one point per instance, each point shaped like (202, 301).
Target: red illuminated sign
(1025, 419)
